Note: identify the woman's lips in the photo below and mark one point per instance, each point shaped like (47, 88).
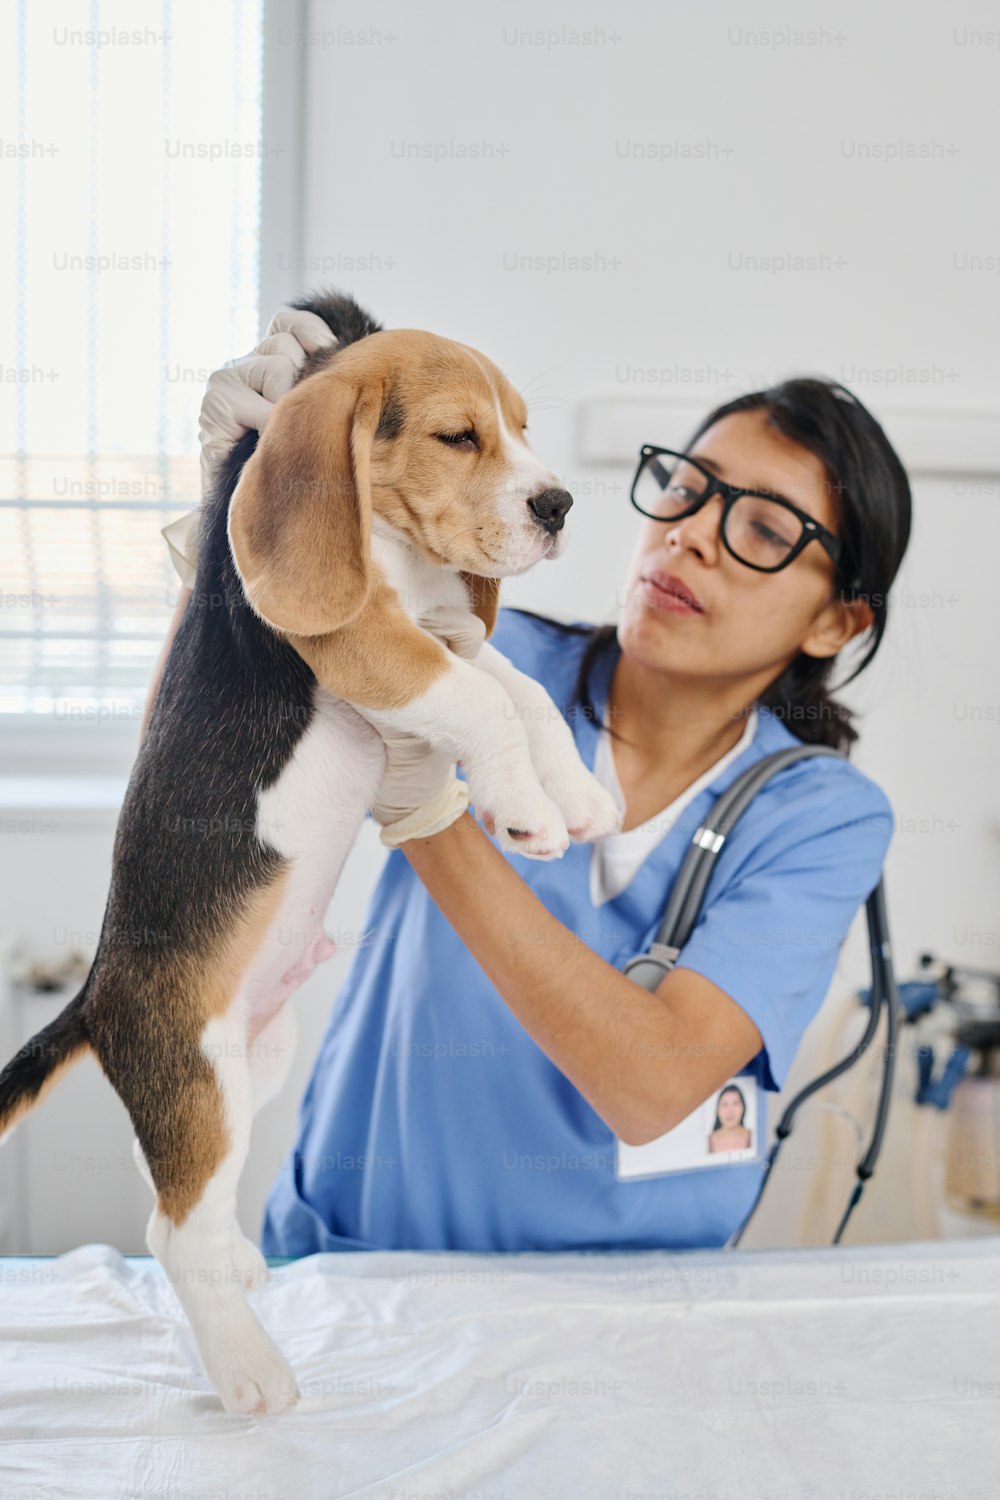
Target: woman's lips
(665, 592)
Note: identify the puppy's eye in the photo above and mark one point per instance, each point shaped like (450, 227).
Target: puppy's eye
(466, 441)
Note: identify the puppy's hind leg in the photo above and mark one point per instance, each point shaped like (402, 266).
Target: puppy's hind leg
(195, 1158)
(139, 1157)
(270, 1057)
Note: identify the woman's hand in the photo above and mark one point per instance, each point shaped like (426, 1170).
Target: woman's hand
(242, 395)
(419, 793)
(239, 397)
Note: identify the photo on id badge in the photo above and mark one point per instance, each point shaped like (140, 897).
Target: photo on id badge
(723, 1130)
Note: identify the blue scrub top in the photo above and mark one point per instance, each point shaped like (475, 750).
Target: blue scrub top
(433, 1121)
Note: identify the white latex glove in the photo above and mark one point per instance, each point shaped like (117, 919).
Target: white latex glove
(239, 397)
(419, 793)
(243, 393)
(458, 629)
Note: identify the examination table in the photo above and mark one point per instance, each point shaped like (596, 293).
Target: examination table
(760, 1375)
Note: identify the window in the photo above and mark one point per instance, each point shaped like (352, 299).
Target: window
(132, 159)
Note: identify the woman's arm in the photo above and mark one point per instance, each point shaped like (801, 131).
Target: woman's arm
(154, 683)
(643, 1060)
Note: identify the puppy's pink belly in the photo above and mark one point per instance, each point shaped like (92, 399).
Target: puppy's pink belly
(321, 947)
(293, 947)
(311, 815)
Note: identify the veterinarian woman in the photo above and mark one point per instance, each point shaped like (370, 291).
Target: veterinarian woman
(489, 1080)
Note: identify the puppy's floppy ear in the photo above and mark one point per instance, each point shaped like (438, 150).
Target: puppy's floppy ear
(300, 517)
(484, 598)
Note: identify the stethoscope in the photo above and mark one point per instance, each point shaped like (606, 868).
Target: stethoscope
(683, 907)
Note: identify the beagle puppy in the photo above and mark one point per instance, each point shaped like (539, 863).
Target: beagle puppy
(394, 479)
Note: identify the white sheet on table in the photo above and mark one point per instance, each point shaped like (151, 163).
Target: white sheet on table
(425, 1377)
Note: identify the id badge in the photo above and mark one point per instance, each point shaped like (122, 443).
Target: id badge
(727, 1129)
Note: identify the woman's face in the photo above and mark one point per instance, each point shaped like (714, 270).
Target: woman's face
(730, 1110)
(749, 625)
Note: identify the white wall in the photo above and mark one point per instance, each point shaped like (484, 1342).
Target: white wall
(753, 149)
(747, 161)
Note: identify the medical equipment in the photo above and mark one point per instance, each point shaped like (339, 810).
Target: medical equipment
(967, 1083)
(686, 897)
(972, 1181)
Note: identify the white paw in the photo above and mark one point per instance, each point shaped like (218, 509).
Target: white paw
(521, 817)
(589, 810)
(248, 1261)
(252, 1376)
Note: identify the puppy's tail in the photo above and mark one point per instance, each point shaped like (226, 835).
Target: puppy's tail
(32, 1072)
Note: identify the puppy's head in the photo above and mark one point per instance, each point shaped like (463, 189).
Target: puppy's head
(426, 433)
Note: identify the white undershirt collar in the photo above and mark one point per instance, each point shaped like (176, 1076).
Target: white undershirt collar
(615, 859)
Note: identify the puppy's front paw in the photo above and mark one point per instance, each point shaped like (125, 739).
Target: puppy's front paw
(589, 811)
(588, 808)
(523, 820)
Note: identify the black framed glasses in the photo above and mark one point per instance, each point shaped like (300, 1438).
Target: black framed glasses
(759, 529)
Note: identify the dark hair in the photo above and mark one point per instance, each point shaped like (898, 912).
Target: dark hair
(874, 507)
(730, 1088)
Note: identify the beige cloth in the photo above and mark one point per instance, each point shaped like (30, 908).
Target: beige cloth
(181, 537)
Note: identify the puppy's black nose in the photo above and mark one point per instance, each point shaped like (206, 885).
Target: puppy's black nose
(550, 507)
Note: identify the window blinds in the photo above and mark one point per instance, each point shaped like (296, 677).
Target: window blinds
(131, 146)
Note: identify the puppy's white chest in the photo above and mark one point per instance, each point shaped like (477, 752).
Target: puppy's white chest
(420, 585)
